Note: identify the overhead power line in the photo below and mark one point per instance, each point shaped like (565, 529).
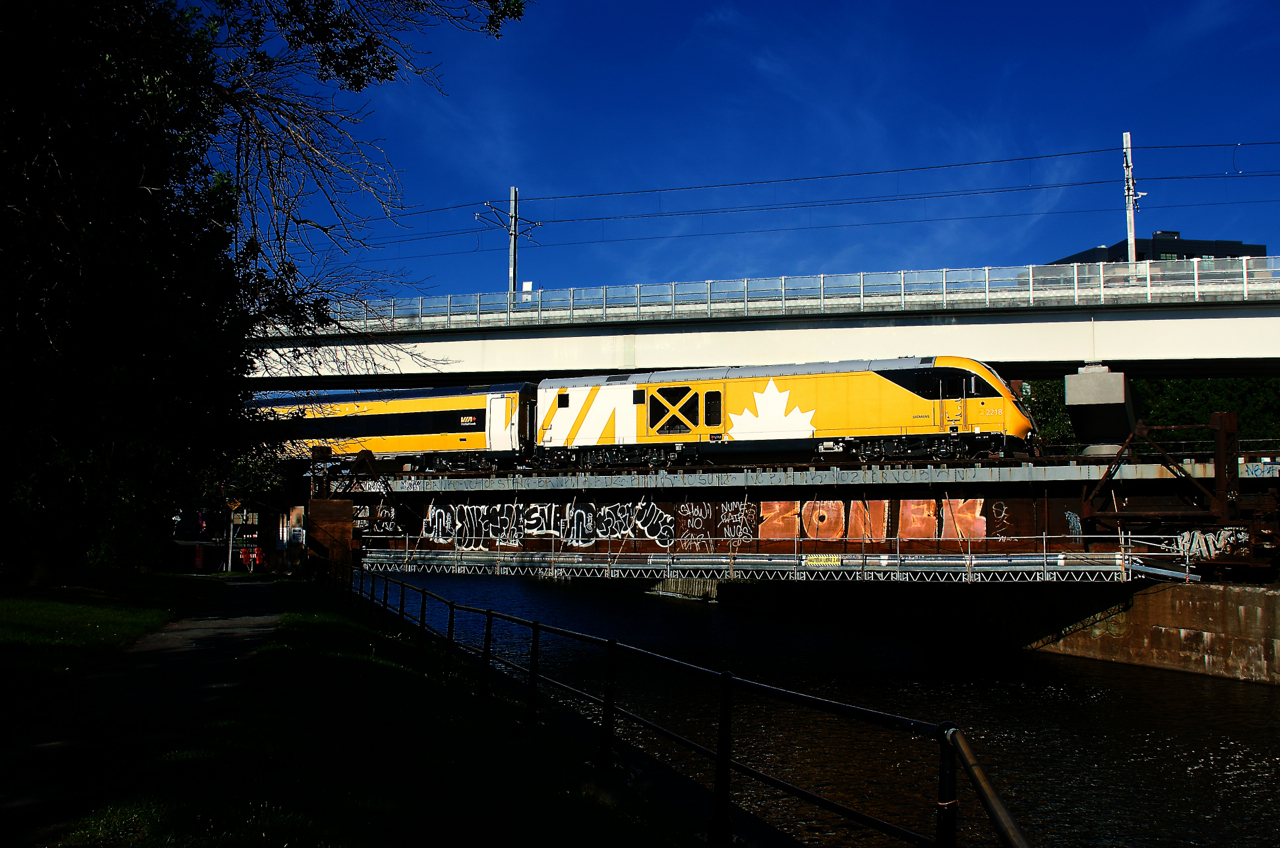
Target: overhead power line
(881, 172)
(825, 204)
(764, 231)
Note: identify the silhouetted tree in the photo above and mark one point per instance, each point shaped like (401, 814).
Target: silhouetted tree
(160, 165)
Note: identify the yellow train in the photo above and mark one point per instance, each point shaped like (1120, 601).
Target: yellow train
(442, 429)
(944, 407)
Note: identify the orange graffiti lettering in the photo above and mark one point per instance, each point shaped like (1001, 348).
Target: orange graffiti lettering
(779, 519)
(963, 519)
(918, 520)
(867, 519)
(823, 519)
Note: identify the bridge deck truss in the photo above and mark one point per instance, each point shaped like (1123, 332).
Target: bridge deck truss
(1054, 567)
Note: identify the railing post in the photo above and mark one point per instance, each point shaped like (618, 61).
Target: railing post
(448, 311)
(486, 654)
(945, 826)
(571, 291)
(401, 585)
(1195, 275)
(637, 301)
(539, 306)
(784, 294)
(448, 639)
(944, 288)
(422, 619)
(1031, 285)
(531, 704)
(511, 296)
(986, 275)
(1148, 281)
(721, 829)
(861, 290)
(902, 285)
(1244, 275)
(604, 303)
(1075, 281)
(604, 751)
(673, 300)
(386, 584)
(708, 298)
(822, 293)
(1102, 281)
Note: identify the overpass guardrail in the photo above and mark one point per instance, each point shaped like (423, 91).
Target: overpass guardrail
(1188, 281)
(953, 746)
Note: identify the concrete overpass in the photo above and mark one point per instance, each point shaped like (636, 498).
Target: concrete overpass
(1170, 318)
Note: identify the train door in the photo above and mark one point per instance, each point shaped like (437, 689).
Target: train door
(952, 406)
(502, 423)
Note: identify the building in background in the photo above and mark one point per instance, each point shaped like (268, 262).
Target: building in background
(1166, 244)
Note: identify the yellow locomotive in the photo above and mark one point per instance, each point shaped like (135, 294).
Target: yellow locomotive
(943, 407)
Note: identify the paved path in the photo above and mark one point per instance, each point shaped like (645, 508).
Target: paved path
(95, 730)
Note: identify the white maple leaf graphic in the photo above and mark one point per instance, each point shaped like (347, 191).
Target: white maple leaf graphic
(771, 420)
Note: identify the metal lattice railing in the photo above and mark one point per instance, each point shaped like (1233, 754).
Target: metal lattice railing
(1046, 286)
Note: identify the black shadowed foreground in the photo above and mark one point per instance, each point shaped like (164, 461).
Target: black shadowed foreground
(220, 730)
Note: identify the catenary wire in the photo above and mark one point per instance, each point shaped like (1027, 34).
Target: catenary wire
(994, 216)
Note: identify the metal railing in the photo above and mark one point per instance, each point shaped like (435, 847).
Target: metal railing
(1017, 559)
(1088, 284)
(952, 743)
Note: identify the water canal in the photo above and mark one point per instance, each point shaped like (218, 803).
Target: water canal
(1084, 753)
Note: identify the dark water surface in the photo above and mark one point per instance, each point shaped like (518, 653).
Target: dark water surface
(1084, 753)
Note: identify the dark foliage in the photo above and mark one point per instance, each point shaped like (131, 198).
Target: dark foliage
(1192, 401)
(126, 322)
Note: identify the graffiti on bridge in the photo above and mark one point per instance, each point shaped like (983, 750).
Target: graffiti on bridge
(475, 527)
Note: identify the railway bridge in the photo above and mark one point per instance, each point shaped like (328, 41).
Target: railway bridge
(1151, 318)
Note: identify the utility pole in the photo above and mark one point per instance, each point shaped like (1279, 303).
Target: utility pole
(513, 222)
(514, 226)
(1131, 195)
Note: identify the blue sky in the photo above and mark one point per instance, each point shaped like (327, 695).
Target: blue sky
(585, 98)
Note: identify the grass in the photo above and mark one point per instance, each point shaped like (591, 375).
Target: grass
(342, 736)
(52, 633)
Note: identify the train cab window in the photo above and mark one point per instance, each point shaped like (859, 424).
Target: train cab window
(711, 403)
(942, 383)
(953, 387)
(928, 385)
(980, 388)
(562, 401)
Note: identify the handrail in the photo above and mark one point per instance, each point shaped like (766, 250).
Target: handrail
(1006, 827)
(953, 743)
(1156, 282)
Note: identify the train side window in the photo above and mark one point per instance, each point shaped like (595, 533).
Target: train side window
(712, 405)
(668, 404)
(657, 409)
(562, 401)
(637, 397)
(689, 409)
